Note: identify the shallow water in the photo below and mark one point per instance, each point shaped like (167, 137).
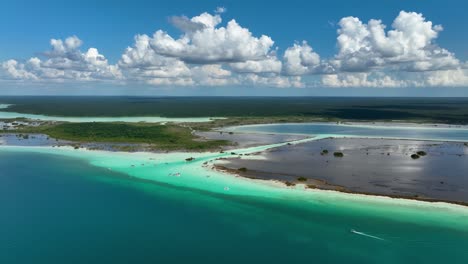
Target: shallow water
(244, 140)
(376, 131)
(130, 119)
(378, 166)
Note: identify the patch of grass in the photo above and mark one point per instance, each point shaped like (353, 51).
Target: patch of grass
(302, 179)
(415, 156)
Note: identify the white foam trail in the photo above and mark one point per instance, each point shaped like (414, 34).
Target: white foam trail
(366, 235)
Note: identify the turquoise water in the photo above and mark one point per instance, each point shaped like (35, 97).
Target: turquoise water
(60, 205)
(384, 131)
(129, 119)
(59, 209)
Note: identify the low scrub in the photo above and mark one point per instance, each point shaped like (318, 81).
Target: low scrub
(338, 154)
(158, 136)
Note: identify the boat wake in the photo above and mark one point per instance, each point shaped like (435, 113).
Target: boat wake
(366, 235)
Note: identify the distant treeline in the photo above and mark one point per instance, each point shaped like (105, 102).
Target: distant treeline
(447, 110)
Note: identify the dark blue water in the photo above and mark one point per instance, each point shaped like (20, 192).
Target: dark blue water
(61, 210)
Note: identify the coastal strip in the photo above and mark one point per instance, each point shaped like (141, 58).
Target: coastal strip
(174, 169)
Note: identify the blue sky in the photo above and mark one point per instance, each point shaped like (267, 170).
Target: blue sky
(27, 28)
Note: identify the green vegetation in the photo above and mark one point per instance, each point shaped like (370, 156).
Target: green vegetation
(302, 179)
(242, 169)
(324, 152)
(338, 154)
(168, 137)
(444, 110)
(418, 154)
(237, 121)
(421, 153)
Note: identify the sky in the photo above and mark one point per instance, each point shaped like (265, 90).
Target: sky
(295, 48)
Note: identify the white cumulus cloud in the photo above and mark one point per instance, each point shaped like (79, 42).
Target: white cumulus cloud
(271, 64)
(211, 44)
(141, 63)
(64, 61)
(362, 79)
(300, 60)
(205, 54)
(408, 46)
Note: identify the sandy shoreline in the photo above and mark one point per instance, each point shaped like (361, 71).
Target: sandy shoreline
(172, 169)
(126, 160)
(370, 166)
(339, 189)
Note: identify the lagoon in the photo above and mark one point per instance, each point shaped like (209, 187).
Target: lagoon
(71, 205)
(130, 119)
(386, 130)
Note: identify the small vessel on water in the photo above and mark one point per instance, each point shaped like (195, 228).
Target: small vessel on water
(366, 235)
